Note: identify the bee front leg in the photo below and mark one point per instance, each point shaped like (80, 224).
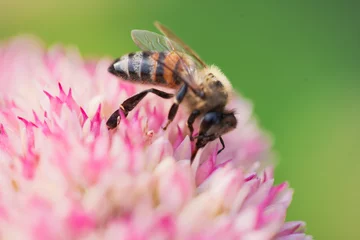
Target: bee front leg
(222, 144)
(174, 108)
(191, 121)
(130, 103)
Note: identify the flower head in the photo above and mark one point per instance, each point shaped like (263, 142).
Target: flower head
(63, 175)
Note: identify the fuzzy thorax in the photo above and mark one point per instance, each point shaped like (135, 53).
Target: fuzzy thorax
(216, 87)
(218, 75)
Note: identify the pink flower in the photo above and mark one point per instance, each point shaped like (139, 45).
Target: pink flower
(63, 175)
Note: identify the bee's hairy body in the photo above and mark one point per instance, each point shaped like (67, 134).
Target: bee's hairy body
(166, 61)
(215, 92)
(144, 67)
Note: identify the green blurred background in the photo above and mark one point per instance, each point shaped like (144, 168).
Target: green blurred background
(297, 60)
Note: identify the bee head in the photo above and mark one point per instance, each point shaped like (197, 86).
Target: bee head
(214, 125)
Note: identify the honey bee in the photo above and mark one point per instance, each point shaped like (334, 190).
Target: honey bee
(166, 61)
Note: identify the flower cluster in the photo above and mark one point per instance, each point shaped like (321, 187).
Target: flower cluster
(63, 175)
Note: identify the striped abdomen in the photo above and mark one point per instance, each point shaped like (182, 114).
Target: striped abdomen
(156, 68)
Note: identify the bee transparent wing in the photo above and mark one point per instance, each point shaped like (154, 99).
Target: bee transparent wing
(150, 41)
(172, 36)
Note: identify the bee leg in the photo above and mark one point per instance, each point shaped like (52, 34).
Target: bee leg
(130, 103)
(222, 144)
(178, 99)
(203, 141)
(191, 121)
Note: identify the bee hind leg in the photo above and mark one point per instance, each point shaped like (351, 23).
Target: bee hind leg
(130, 103)
(174, 108)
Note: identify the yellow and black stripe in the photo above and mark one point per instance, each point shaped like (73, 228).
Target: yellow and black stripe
(156, 68)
